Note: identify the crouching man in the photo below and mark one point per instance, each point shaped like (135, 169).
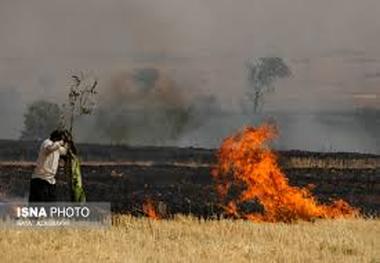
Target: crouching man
(42, 184)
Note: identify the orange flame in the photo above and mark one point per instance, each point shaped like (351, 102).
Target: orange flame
(246, 163)
(150, 210)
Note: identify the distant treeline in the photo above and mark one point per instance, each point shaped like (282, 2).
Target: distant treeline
(27, 151)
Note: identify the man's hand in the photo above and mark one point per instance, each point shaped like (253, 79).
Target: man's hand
(63, 148)
(66, 145)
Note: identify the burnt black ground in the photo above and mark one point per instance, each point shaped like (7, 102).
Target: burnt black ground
(190, 189)
(178, 180)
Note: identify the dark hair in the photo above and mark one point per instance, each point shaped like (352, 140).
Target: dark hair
(56, 135)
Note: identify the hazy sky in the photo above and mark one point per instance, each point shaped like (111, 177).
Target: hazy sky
(97, 28)
(331, 39)
(333, 47)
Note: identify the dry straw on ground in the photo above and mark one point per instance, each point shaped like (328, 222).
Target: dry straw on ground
(187, 239)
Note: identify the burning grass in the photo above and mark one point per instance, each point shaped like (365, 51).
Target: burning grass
(149, 209)
(248, 168)
(187, 239)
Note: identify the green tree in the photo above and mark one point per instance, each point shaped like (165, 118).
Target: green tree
(262, 74)
(40, 119)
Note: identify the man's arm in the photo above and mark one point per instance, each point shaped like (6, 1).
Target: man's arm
(51, 147)
(63, 149)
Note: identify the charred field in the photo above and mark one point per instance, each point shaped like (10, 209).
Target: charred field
(178, 180)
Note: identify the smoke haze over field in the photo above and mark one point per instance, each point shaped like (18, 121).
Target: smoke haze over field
(199, 49)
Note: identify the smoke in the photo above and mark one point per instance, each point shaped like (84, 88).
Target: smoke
(11, 112)
(191, 58)
(145, 106)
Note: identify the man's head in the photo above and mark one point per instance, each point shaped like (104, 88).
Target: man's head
(56, 135)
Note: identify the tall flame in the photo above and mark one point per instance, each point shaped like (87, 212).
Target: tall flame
(150, 210)
(248, 166)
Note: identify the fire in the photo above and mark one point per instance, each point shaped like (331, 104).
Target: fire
(248, 168)
(150, 210)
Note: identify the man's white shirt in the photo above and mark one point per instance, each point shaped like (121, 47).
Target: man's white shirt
(48, 160)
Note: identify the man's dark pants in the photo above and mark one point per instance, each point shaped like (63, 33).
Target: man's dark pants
(42, 191)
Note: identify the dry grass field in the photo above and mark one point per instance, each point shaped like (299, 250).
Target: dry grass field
(186, 239)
